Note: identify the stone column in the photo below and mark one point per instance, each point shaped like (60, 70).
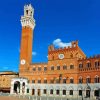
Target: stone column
(20, 88)
(12, 88)
(54, 92)
(48, 92)
(60, 93)
(25, 89)
(36, 92)
(30, 91)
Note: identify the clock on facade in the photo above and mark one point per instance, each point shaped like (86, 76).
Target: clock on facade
(22, 62)
(61, 56)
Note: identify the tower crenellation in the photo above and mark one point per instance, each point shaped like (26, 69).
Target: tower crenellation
(27, 19)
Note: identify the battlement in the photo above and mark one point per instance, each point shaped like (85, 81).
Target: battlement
(74, 44)
(29, 6)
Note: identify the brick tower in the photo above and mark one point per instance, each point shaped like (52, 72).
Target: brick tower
(28, 24)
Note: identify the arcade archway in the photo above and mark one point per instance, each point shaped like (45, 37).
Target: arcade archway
(17, 87)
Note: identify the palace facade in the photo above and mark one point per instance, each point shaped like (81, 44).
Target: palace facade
(68, 71)
(5, 80)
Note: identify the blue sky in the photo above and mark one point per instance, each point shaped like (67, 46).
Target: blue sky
(63, 20)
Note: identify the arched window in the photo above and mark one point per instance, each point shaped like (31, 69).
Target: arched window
(96, 79)
(96, 63)
(88, 80)
(64, 92)
(52, 67)
(58, 67)
(39, 81)
(64, 67)
(80, 92)
(57, 92)
(64, 80)
(80, 80)
(80, 65)
(51, 91)
(71, 80)
(71, 66)
(71, 92)
(88, 65)
(45, 68)
(34, 68)
(45, 80)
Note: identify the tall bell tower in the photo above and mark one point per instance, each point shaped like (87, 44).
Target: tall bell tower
(28, 24)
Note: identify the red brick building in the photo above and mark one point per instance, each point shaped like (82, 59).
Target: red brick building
(67, 73)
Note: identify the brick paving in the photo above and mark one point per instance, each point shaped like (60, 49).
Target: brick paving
(11, 98)
(39, 98)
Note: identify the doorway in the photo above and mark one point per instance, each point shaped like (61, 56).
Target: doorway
(39, 92)
(33, 91)
(88, 93)
(17, 87)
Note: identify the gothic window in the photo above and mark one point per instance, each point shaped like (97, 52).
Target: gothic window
(45, 91)
(80, 92)
(34, 69)
(58, 67)
(52, 67)
(33, 81)
(45, 68)
(80, 65)
(88, 65)
(39, 81)
(57, 92)
(51, 91)
(64, 80)
(88, 80)
(80, 80)
(64, 67)
(71, 80)
(45, 81)
(71, 66)
(96, 63)
(27, 90)
(96, 79)
(71, 92)
(64, 92)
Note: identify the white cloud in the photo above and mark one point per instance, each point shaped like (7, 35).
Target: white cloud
(60, 44)
(34, 53)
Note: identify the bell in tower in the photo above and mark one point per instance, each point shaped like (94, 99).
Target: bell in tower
(28, 11)
(27, 19)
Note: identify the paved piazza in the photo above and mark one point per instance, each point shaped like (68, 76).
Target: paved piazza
(39, 98)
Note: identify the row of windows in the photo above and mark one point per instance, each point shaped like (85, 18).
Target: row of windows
(53, 81)
(88, 80)
(96, 92)
(57, 92)
(88, 65)
(53, 68)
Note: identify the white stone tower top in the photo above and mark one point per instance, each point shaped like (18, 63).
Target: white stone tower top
(27, 19)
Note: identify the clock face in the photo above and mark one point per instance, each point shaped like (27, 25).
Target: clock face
(61, 56)
(22, 62)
